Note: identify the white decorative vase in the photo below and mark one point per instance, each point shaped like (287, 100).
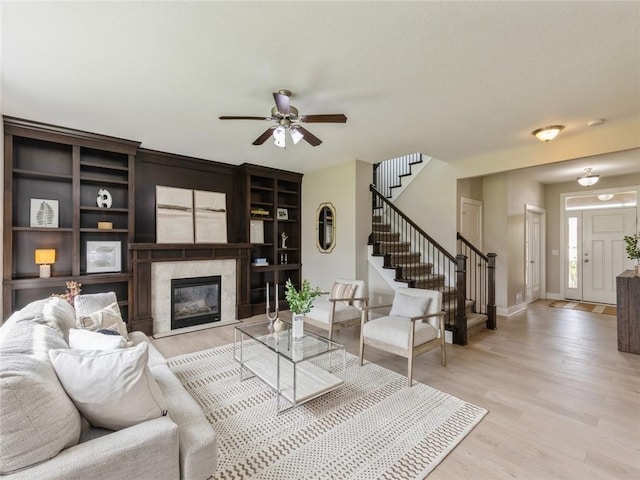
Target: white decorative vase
(636, 268)
(298, 326)
(278, 325)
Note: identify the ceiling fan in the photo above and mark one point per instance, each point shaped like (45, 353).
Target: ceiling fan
(286, 118)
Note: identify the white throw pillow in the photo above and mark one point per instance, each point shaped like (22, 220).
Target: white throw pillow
(408, 305)
(108, 318)
(112, 389)
(80, 339)
(37, 419)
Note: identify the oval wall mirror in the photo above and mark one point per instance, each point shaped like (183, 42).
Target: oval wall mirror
(326, 228)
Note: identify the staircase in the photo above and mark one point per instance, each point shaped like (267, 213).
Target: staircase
(392, 176)
(412, 258)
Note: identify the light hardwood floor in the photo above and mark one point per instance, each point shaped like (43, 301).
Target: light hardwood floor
(563, 402)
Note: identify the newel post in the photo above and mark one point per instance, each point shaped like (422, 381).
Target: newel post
(460, 335)
(491, 300)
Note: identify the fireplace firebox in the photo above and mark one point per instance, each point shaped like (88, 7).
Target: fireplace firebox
(195, 301)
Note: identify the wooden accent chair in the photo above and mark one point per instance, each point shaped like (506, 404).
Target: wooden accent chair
(414, 325)
(344, 306)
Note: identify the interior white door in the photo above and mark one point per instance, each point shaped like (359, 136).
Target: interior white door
(603, 252)
(471, 221)
(533, 256)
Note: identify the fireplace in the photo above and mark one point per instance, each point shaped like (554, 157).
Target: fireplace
(195, 301)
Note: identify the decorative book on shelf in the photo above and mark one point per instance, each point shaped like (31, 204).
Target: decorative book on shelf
(259, 212)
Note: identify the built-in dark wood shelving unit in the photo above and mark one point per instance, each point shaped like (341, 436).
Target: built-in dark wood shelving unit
(271, 190)
(55, 163)
(70, 166)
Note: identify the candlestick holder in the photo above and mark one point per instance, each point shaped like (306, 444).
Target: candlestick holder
(277, 311)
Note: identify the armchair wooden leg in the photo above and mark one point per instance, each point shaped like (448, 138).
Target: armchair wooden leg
(410, 370)
(361, 349)
(444, 355)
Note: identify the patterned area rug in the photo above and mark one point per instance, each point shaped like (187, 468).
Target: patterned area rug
(585, 307)
(372, 427)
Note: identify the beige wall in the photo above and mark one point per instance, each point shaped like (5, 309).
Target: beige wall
(521, 191)
(430, 201)
(495, 230)
(346, 186)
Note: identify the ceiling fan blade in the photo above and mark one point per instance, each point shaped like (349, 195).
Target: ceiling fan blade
(309, 137)
(325, 118)
(234, 117)
(263, 138)
(282, 102)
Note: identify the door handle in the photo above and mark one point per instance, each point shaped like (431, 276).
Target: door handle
(586, 260)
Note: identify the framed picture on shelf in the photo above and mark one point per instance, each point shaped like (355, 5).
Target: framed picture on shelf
(103, 257)
(43, 213)
(283, 214)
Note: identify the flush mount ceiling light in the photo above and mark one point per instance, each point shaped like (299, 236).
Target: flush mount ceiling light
(588, 179)
(605, 197)
(547, 134)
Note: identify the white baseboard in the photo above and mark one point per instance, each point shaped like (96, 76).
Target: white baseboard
(507, 312)
(553, 296)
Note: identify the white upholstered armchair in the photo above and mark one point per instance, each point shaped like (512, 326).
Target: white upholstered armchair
(414, 325)
(344, 306)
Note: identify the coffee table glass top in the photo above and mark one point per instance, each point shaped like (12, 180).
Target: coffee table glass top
(283, 343)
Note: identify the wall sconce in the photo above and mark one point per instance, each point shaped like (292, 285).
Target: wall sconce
(546, 134)
(45, 257)
(588, 179)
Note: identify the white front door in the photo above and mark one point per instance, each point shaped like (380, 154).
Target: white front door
(603, 252)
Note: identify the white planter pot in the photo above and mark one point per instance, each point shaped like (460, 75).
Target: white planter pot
(298, 326)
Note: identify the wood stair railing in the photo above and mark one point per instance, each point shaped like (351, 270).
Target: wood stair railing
(419, 261)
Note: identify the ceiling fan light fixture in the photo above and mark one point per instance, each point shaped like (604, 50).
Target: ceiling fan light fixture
(279, 137)
(296, 135)
(546, 134)
(588, 179)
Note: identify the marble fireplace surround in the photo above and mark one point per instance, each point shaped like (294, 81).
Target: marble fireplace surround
(163, 272)
(154, 265)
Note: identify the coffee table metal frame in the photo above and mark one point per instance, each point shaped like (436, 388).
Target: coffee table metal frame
(297, 370)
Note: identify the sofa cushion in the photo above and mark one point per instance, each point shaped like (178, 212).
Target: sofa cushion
(396, 331)
(108, 317)
(38, 420)
(30, 339)
(113, 389)
(80, 339)
(52, 312)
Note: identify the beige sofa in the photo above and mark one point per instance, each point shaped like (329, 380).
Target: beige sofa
(42, 434)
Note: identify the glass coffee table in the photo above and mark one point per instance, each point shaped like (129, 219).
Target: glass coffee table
(298, 370)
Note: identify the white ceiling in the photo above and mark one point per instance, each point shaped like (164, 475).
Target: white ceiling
(448, 79)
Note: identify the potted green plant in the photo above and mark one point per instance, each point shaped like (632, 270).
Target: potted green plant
(633, 251)
(300, 303)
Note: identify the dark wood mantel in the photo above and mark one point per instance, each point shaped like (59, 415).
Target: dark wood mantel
(144, 254)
